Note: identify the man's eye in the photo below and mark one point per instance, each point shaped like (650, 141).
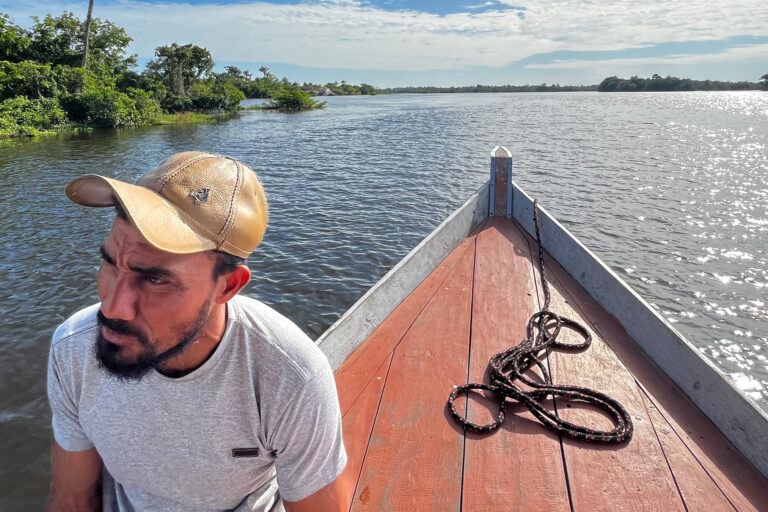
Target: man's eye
(151, 279)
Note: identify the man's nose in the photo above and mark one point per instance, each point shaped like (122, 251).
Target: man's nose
(118, 298)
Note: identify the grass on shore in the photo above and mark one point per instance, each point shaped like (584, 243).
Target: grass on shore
(192, 118)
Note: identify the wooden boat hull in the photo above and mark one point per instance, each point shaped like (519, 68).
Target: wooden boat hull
(657, 358)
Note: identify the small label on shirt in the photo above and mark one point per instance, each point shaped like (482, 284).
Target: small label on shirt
(245, 452)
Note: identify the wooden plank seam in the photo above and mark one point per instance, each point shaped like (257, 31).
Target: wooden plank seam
(390, 355)
(370, 432)
(539, 293)
(469, 362)
(664, 452)
(597, 330)
(405, 333)
(677, 434)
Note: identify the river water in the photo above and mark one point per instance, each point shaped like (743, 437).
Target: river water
(669, 189)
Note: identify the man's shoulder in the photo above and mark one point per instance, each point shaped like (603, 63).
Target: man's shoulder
(278, 340)
(81, 323)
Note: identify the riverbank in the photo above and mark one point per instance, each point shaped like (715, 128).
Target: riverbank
(177, 118)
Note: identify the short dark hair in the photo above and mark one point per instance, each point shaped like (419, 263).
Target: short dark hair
(119, 210)
(225, 263)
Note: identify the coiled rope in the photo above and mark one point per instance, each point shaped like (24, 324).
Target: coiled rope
(506, 367)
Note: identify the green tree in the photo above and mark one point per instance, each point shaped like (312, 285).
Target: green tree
(14, 40)
(60, 40)
(108, 44)
(180, 66)
(55, 40)
(367, 89)
(764, 81)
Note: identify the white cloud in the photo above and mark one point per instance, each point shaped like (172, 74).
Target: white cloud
(730, 55)
(351, 34)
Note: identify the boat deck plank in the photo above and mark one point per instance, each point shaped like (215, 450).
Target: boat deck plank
(699, 491)
(406, 453)
(522, 465)
(627, 476)
(415, 455)
(706, 447)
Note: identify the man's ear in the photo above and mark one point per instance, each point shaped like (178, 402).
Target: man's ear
(230, 284)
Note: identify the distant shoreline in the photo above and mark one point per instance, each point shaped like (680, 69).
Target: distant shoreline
(656, 83)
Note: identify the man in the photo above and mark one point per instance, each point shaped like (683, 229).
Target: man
(174, 393)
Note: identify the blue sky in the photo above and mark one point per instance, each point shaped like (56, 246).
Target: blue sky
(452, 42)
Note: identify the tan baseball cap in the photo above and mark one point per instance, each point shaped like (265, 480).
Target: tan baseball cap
(192, 202)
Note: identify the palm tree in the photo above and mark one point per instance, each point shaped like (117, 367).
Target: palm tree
(87, 32)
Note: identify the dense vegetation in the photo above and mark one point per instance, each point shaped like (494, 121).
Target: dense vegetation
(492, 88)
(47, 84)
(672, 83)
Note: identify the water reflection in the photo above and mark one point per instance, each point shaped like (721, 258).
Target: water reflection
(670, 189)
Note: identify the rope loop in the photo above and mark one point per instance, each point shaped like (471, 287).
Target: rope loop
(505, 368)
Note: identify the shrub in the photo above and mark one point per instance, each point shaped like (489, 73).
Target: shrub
(21, 116)
(173, 103)
(294, 100)
(107, 107)
(27, 79)
(208, 96)
(146, 108)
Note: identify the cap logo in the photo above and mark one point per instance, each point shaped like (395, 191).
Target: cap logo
(201, 195)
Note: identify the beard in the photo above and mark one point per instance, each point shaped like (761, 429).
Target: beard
(110, 357)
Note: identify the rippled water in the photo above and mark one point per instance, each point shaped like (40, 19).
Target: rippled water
(670, 189)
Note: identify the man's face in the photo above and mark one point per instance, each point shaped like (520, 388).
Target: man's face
(153, 303)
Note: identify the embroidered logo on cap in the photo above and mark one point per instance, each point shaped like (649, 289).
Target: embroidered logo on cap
(200, 195)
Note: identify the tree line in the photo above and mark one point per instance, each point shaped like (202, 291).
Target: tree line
(53, 77)
(673, 83)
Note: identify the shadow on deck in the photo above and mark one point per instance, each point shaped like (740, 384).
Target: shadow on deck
(406, 453)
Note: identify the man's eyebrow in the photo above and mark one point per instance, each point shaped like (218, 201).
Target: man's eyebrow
(153, 271)
(147, 271)
(105, 255)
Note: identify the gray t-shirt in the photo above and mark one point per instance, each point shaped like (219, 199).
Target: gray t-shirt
(167, 444)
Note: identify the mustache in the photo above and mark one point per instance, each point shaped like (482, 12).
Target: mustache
(120, 327)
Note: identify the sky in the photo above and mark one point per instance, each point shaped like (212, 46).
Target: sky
(390, 43)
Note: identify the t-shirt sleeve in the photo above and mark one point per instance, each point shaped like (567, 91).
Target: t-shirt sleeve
(65, 418)
(309, 448)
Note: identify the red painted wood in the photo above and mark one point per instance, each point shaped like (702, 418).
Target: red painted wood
(414, 456)
(630, 476)
(357, 423)
(362, 364)
(699, 491)
(744, 486)
(520, 466)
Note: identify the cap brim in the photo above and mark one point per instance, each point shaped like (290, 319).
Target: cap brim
(160, 223)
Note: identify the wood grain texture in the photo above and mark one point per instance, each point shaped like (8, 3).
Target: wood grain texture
(699, 491)
(369, 312)
(738, 479)
(633, 476)
(358, 420)
(358, 369)
(520, 466)
(736, 415)
(415, 453)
